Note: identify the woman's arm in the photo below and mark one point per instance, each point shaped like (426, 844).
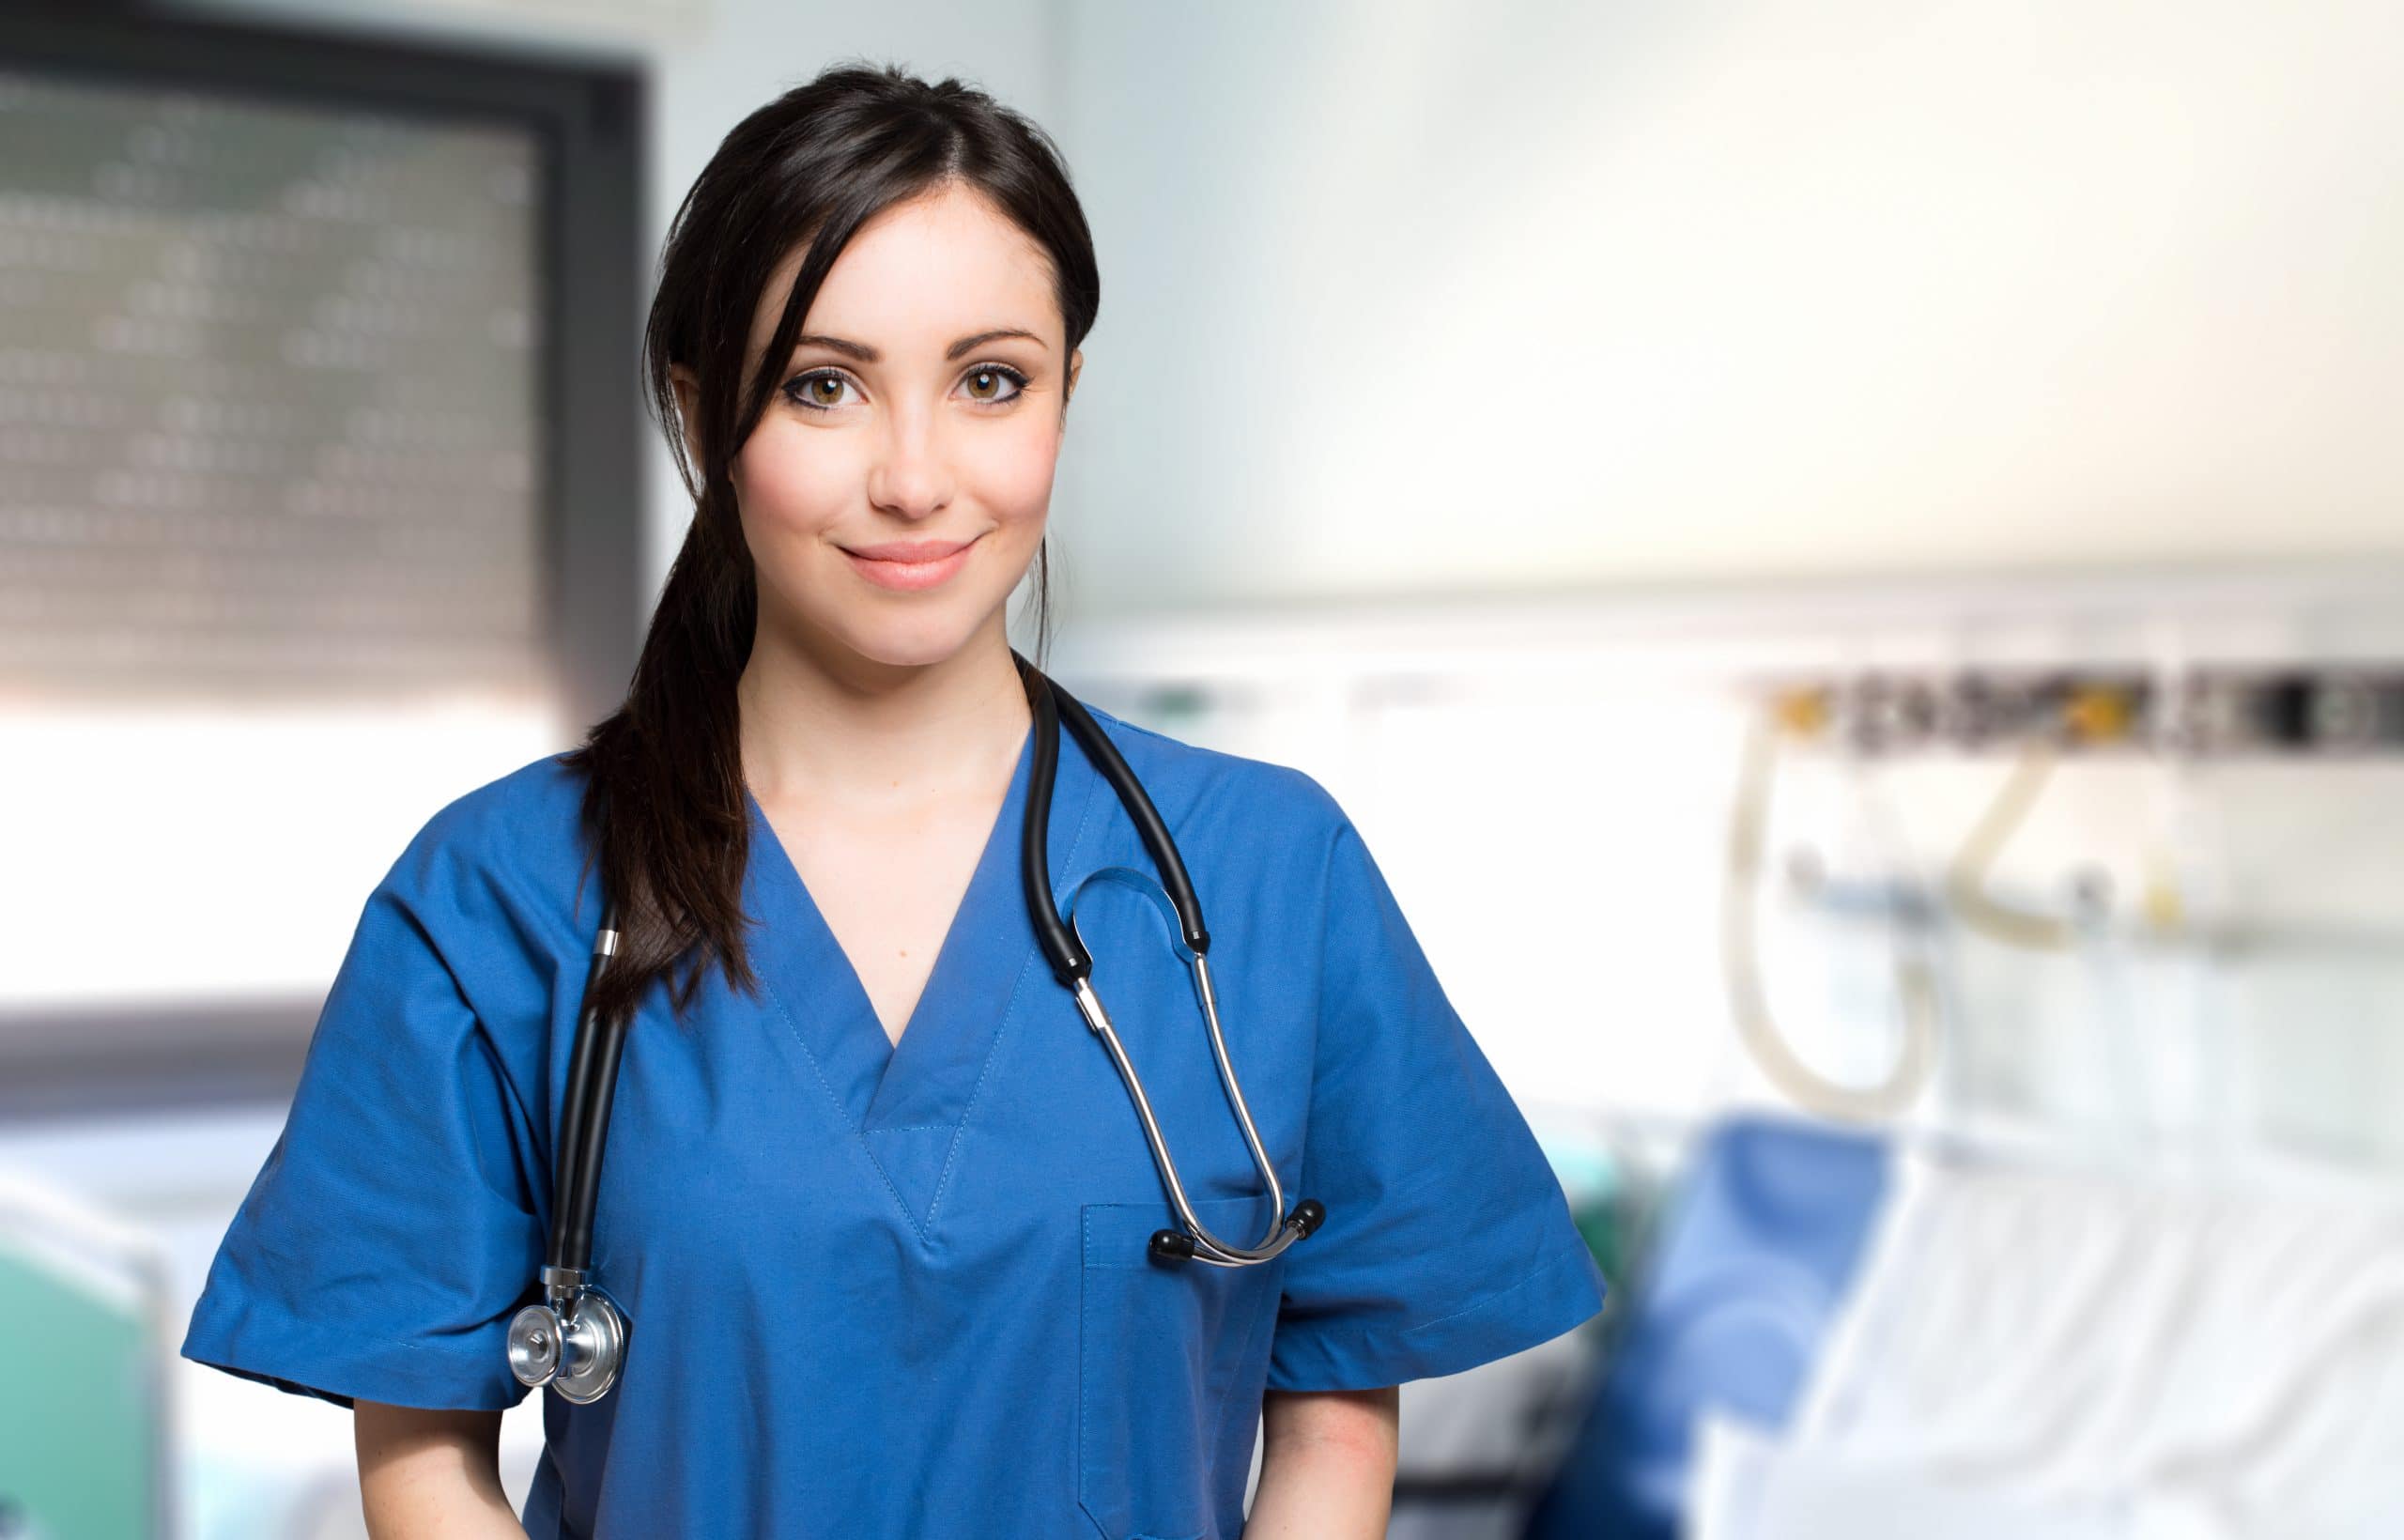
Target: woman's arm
(1326, 1465)
(427, 1473)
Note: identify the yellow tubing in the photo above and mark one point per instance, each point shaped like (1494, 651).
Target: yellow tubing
(1965, 882)
(1748, 1002)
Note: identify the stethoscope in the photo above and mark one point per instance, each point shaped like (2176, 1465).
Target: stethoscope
(576, 1339)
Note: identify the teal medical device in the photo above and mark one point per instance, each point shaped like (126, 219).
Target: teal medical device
(82, 1406)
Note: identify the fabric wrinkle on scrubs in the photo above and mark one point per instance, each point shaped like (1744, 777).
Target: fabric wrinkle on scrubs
(902, 1290)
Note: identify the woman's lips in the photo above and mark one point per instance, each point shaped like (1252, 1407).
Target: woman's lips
(911, 567)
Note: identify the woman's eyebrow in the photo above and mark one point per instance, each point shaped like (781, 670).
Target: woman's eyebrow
(866, 354)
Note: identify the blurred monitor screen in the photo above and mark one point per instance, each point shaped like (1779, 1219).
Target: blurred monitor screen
(269, 387)
(275, 575)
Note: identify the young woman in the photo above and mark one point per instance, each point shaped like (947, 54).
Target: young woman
(877, 1205)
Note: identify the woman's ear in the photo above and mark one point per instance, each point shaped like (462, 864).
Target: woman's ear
(688, 392)
(1068, 387)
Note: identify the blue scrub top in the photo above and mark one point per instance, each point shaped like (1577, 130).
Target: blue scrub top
(901, 1290)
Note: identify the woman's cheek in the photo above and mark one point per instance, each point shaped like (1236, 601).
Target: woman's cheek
(1014, 480)
(793, 493)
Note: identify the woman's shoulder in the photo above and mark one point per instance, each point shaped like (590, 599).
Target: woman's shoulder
(521, 828)
(540, 791)
(1267, 796)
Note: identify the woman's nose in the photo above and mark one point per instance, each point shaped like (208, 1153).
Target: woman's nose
(911, 477)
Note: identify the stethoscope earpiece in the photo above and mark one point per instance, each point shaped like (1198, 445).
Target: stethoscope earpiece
(1178, 1246)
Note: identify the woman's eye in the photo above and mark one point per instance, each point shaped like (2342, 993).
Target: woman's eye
(821, 390)
(986, 383)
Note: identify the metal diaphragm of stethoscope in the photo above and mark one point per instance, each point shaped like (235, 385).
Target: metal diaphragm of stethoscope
(576, 1339)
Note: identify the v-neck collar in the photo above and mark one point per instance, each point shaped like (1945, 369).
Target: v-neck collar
(906, 1100)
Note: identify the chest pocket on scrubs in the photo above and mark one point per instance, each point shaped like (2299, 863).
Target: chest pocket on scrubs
(1160, 1347)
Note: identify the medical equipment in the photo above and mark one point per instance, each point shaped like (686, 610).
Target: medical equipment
(576, 1339)
(2088, 715)
(86, 1435)
(2092, 716)
(1748, 996)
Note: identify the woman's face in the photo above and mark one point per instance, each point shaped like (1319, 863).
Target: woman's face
(919, 415)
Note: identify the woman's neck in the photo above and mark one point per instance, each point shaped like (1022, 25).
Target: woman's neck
(875, 735)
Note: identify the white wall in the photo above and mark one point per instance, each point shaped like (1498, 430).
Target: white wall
(1454, 297)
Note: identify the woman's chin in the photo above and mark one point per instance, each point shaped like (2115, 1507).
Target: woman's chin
(921, 640)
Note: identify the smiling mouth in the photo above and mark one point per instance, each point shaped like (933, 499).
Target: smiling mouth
(918, 565)
(911, 552)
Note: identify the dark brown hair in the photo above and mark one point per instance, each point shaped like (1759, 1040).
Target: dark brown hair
(663, 805)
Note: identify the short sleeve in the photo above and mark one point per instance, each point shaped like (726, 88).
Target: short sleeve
(396, 1226)
(1448, 1241)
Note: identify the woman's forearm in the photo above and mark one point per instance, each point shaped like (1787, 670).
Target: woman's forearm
(424, 1475)
(1327, 1465)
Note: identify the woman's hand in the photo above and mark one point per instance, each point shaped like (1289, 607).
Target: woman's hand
(1326, 1465)
(426, 1474)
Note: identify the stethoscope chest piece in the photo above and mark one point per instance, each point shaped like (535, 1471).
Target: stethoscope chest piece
(576, 1349)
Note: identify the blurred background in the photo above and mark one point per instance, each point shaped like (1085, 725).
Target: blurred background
(1846, 558)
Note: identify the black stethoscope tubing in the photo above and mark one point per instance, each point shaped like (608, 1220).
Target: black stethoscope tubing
(581, 1350)
(592, 1065)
